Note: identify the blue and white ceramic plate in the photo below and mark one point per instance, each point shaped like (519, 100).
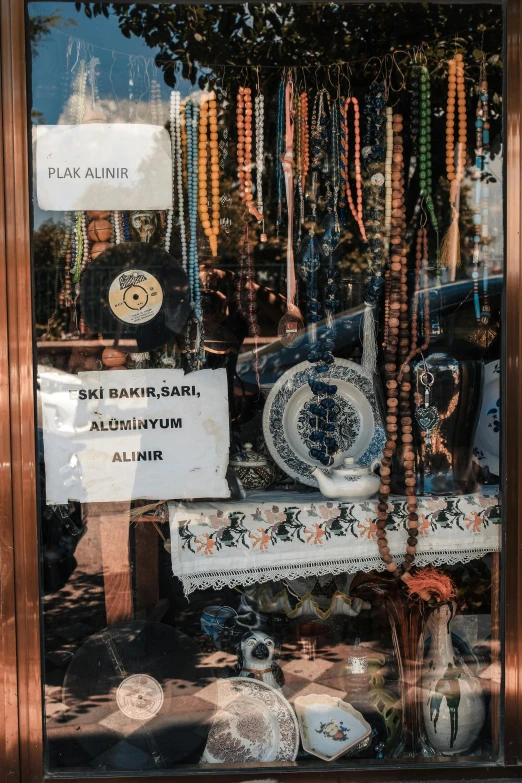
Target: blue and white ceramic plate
(286, 427)
(487, 438)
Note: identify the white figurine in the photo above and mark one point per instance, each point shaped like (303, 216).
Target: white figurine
(255, 659)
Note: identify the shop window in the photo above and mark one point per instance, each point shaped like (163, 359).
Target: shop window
(268, 282)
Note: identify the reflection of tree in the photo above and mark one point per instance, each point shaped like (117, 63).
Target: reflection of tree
(300, 35)
(196, 40)
(40, 25)
(47, 241)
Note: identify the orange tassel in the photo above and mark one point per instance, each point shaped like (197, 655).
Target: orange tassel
(431, 583)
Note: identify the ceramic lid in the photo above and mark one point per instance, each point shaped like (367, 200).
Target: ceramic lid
(249, 458)
(351, 468)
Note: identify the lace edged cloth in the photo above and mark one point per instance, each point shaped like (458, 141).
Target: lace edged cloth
(291, 535)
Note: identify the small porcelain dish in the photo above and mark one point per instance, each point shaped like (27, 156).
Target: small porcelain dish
(330, 727)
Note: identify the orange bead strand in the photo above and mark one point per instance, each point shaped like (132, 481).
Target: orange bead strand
(456, 130)
(244, 117)
(208, 171)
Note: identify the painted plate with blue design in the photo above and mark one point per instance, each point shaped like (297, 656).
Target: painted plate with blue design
(286, 426)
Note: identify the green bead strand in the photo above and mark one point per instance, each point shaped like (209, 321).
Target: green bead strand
(425, 174)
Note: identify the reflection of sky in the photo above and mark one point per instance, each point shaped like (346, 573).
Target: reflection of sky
(58, 52)
(133, 59)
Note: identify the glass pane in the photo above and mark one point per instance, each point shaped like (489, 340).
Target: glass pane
(268, 258)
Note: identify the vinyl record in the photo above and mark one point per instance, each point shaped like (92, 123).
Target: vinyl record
(140, 684)
(136, 291)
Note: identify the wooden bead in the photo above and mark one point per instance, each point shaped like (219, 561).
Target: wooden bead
(98, 248)
(113, 358)
(99, 230)
(101, 214)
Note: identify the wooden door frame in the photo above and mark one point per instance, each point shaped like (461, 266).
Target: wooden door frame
(21, 732)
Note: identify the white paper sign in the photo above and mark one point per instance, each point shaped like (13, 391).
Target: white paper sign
(103, 166)
(151, 434)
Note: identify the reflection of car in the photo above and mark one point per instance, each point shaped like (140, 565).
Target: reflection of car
(452, 299)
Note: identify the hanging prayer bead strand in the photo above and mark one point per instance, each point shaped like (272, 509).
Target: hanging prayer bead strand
(388, 205)
(398, 393)
(170, 212)
(335, 173)
(209, 164)
(357, 211)
(244, 115)
(480, 218)
(290, 327)
(322, 411)
(280, 131)
(303, 156)
(177, 116)
(455, 160)
(425, 174)
(260, 156)
(374, 156)
(192, 115)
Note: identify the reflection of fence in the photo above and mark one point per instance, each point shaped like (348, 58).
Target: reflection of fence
(46, 291)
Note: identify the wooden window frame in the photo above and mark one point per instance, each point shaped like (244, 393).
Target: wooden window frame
(21, 703)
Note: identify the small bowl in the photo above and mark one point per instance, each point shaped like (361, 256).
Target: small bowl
(330, 727)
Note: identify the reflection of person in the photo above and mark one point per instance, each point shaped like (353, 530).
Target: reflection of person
(225, 327)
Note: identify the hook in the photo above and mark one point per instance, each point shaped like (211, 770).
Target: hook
(347, 77)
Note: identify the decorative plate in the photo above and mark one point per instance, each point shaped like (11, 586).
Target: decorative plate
(487, 438)
(286, 427)
(254, 722)
(330, 727)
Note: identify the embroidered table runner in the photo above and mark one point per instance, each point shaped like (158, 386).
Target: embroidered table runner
(291, 535)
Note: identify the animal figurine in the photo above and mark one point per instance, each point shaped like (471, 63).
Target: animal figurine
(255, 659)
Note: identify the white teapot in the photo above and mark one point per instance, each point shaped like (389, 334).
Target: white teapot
(351, 482)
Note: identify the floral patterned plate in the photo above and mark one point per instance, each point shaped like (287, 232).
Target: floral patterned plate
(254, 722)
(285, 421)
(487, 438)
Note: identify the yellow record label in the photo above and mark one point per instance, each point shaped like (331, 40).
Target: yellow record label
(135, 297)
